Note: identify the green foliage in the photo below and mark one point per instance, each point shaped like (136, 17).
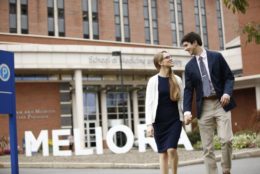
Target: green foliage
(194, 136)
(253, 32)
(257, 140)
(245, 139)
(3, 142)
(236, 5)
(217, 143)
(198, 145)
(251, 29)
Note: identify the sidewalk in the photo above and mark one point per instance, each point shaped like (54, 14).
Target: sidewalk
(132, 159)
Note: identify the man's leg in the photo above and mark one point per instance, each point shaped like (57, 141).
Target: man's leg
(224, 127)
(206, 126)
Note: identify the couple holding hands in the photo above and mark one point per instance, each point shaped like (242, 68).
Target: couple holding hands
(168, 105)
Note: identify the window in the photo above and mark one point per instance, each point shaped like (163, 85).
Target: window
(117, 105)
(117, 20)
(146, 22)
(90, 19)
(50, 7)
(91, 114)
(197, 16)
(85, 19)
(90, 105)
(176, 21)
(126, 21)
(24, 16)
(204, 24)
(155, 22)
(12, 16)
(122, 27)
(220, 29)
(141, 106)
(56, 18)
(95, 19)
(61, 17)
(201, 20)
(150, 22)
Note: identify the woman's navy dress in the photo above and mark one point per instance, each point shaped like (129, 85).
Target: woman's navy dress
(167, 125)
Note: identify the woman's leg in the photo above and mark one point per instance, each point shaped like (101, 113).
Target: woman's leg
(164, 163)
(173, 159)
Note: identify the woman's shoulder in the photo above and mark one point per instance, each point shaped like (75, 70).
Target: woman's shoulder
(178, 78)
(154, 77)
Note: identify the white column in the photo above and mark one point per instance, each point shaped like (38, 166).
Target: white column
(74, 110)
(56, 24)
(90, 20)
(135, 112)
(128, 113)
(79, 119)
(104, 113)
(188, 128)
(18, 19)
(257, 95)
(97, 110)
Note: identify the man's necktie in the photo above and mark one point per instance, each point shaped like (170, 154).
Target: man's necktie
(205, 78)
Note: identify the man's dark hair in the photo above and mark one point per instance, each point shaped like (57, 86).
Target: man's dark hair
(191, 38)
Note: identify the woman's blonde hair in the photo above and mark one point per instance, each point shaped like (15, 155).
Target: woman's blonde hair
(174, 87)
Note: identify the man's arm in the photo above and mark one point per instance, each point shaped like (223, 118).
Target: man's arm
(188, 94)
(228, 78)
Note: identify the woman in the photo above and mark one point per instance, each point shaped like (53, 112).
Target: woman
(163, 108)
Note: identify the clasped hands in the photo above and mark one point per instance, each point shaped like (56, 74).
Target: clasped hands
(187, 119)
(150, 131)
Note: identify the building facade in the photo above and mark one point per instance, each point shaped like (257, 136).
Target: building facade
(67, 77)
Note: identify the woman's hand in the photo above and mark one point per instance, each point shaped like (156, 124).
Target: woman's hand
(150, 131)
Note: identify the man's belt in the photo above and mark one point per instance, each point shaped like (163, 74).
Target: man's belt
(211, 97)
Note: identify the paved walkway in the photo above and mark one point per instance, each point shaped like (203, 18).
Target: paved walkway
(132, 159)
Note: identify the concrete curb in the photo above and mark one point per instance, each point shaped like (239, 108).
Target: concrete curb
(238, 155)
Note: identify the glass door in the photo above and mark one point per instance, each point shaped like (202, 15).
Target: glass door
(117, 112)
(91, 117)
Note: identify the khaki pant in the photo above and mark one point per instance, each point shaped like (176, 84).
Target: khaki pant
(213, 115)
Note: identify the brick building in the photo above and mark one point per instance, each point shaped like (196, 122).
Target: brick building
(67, 77)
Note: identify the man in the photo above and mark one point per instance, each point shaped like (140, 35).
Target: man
(209, 75)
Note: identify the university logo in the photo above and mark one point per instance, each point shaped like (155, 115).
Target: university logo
(4, 72)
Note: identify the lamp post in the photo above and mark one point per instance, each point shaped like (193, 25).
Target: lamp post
(118, 53)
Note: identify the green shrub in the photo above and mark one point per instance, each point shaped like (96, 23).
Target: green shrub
(217, 143)
(198, 145)
(245, 139)
(258, 140)
(194, 136)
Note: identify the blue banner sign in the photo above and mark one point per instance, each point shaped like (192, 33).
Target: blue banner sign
(8, 102)
(7, 82)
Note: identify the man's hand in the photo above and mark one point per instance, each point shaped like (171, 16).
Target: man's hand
(187, 119)
(224, 100)
(150, 131)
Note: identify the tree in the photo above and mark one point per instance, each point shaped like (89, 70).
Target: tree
(251, 29)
